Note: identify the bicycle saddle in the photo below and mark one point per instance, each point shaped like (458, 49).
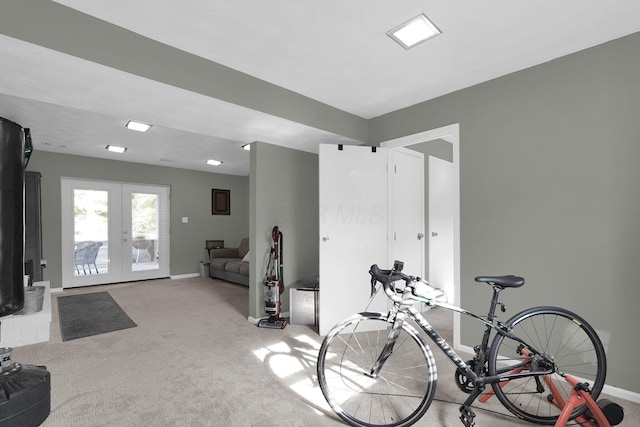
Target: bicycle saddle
(502, 281)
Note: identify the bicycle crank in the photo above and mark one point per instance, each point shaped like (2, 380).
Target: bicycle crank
(462, 381)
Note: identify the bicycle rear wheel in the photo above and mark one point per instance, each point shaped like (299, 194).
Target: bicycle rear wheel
(561, 336)
(402, 391)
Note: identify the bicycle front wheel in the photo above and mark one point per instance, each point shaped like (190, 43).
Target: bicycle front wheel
(561, 337)
(402, 391)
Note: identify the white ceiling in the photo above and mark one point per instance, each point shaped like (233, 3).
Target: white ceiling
(335, 52)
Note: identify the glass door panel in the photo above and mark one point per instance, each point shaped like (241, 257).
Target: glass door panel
(145, 219)
(91, 231)
(144, 231)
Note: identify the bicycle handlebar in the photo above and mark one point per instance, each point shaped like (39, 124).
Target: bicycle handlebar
(386, 277)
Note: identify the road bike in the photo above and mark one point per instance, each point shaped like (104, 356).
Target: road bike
(375, 369)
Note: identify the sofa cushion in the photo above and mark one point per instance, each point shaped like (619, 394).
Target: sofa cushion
(220, 263)
(224, 253)
(244, 268)
(243, 247)
(233, 266)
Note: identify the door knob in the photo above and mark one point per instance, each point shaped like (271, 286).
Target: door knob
(325, 238)
(434, 234)
(420, 236)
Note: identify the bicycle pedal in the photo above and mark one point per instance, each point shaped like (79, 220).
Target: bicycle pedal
(467, 416)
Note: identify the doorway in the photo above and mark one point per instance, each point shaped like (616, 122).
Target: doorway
(113, 232)
(451, 135)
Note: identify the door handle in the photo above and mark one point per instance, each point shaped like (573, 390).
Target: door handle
(434, 234)
(325, 238)
(420, 236)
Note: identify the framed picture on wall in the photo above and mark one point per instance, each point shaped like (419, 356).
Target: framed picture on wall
(220, 202)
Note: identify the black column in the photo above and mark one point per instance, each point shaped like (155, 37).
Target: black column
(11, 217)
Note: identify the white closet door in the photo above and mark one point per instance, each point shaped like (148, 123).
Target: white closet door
(441, 226)
(407, 209)
(353, 229)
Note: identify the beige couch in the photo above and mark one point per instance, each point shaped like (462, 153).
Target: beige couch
(228, 264)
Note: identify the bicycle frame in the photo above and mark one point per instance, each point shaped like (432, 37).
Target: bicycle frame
(403, 309)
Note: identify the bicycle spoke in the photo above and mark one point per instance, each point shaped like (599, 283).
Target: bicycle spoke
(564, 340)
(401, 392)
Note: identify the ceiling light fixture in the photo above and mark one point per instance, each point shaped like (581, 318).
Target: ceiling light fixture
(140, 127)
(214, 162)
(247, 147)
(116, 149)
(413, 32)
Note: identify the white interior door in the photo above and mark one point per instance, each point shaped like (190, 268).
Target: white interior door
(406, 209)
(353, 229)
(441, 225)
(100, 223)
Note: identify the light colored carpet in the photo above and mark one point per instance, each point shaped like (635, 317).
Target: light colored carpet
(194, 360)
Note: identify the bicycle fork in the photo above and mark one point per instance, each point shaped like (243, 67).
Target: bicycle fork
(388, 347)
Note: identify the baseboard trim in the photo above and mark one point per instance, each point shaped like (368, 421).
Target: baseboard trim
(621, 393)
(608, 389)
(184, 276)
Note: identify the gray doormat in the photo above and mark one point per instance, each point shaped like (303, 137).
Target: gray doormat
(90, 314)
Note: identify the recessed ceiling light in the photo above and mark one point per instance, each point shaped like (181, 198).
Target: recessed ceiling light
(116, 149)
(214, 162)
(247, 147)
(140, 127)
(414, 31)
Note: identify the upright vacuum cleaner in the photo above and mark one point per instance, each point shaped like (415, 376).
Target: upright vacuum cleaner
(274, 285)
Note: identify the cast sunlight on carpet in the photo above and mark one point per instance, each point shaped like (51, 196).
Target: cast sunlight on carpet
(90, 314)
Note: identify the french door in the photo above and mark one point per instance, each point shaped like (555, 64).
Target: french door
(113, 232)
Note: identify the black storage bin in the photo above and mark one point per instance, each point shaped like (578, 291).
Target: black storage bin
(25, 396)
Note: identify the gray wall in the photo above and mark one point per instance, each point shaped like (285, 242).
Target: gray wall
(550, 189)
(284, 192)
(190, 197)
